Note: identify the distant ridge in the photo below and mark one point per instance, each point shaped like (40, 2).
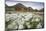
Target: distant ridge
(20, 8)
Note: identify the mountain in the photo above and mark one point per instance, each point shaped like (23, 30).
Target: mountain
(41, 10)
(20, 7)
(9, 9)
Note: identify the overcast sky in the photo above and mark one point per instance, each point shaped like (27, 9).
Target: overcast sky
(27, 0)
(34, 5)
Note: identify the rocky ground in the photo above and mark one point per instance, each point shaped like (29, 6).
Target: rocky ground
(24, 21)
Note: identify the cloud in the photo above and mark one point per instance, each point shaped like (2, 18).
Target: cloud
(35, 5)
(27, 0)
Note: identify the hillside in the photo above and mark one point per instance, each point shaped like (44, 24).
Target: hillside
(20, 8)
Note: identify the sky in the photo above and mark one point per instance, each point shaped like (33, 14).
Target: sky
(34, 5)
(27, 0)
